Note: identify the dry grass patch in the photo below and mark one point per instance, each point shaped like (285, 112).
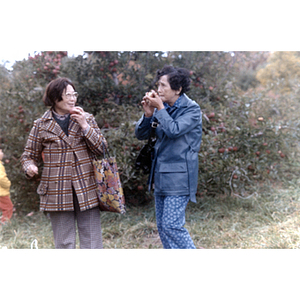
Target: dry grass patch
(268, 221)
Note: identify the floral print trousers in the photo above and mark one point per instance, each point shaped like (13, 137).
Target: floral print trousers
(170, 220)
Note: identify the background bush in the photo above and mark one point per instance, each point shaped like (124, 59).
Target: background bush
(248, 136)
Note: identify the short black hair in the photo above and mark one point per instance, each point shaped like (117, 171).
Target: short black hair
(177, 78)
(55, 89)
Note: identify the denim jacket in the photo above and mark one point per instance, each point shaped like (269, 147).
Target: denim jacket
(175, 162)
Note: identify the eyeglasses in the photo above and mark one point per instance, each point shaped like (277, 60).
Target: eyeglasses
(70, 95)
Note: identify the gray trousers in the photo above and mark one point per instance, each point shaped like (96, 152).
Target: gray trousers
(88, 223)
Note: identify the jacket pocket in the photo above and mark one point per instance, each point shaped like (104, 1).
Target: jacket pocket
(173, 168)
(42, 188)
(173, 177)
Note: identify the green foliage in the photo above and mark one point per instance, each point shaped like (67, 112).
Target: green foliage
(247, 79)
(238, 150)
(111, 85)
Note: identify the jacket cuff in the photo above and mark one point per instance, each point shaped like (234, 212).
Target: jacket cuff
(84, 132)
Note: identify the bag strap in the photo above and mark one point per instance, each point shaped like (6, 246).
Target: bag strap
(152, 137)
(104, 149)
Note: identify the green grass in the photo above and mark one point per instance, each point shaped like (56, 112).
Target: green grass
(269, 220)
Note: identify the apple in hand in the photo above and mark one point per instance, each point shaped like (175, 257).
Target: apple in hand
(74, 110)
(150, 94)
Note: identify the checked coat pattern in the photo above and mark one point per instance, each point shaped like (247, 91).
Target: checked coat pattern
(67, 162)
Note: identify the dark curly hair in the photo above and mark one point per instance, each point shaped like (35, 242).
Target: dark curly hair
(177, 78)
(55, 89)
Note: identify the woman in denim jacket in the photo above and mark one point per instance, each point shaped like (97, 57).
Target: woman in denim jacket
(174, 172)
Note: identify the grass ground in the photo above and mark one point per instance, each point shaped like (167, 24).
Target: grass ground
(269, 220)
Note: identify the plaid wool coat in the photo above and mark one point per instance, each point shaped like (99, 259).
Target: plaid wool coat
(67, 162)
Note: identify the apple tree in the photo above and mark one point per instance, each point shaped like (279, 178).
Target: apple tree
(244, 141)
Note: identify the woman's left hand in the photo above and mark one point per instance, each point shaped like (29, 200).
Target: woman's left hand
(78, 114)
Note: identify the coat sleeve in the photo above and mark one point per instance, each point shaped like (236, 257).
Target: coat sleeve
(33, 148)
(4, 181)
(94, 138)
(175, 128)
(142, 128)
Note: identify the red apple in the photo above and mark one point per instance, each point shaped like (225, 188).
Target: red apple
(74, 110)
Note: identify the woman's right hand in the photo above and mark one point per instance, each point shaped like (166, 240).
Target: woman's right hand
(148, 109)
(32, 170)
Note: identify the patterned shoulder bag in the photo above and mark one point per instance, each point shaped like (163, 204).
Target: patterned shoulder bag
(110, 191)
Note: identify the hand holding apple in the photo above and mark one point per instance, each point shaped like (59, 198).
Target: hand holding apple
(146, 104)
(76, 110)
(153, 100)
(78, 114)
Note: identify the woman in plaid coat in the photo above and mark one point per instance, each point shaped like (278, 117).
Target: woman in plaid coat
(67, 138)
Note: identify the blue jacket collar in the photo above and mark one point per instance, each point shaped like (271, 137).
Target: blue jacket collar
(180, 102)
